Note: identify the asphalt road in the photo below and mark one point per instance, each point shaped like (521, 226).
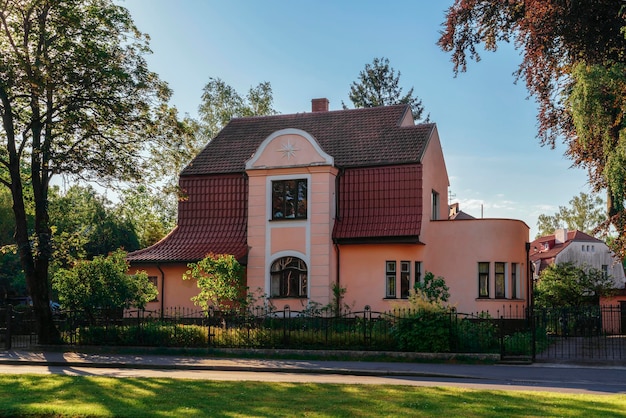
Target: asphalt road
(600, 380)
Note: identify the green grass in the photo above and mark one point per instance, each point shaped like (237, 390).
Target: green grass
(72, 396)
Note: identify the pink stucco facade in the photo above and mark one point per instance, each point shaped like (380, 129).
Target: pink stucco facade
(483, 261)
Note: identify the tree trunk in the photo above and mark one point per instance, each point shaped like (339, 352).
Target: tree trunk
(34, 264)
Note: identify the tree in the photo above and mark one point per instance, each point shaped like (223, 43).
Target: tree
(183, 140)
(76, 97)
(151, 217)
(572, 52)
(569, 285)
(433, 290)
(220, 280)
(584, 214)
(221, 103)
(85, 224)
(102, 284)
(378, 85)
(597, 104)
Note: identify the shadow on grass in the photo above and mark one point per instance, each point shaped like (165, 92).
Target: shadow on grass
(74, 396)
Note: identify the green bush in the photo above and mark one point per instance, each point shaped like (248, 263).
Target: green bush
(423, 331)
(151, 334)
(477, 335)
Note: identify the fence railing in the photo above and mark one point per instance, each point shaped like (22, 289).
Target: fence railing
(592, 332)
(415, 330)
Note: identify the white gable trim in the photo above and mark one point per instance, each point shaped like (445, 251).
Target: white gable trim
(328, 160)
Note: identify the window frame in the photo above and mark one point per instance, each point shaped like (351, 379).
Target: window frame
(280, 282)
(483, 276)
(155, 281)
(514, 281)
(435, 202)
(390, 279)
(279, 204)
(417, 273)
(499, 280)
(405, 279)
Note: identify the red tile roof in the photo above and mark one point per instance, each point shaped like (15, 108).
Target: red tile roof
(213, 219)
(380, 203)
(383, 202)
(538, 251)
(355, 137)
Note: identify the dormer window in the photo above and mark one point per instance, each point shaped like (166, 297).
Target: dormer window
(546, 246)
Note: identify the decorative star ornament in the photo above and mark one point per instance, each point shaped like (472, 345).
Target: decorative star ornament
(288, 150)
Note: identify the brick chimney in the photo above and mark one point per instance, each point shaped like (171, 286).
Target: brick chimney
(319, 105)
(560, 236)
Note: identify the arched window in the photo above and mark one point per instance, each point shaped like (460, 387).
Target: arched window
(288, 278)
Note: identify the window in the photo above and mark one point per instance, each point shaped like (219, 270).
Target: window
(289, 199)
(288, 277)
(418, 271)
(605, 271)
(499, 280)
(405, 279)
(153, 280)
(514, 281)
(435, 206)
(390, 291)
(483, 280)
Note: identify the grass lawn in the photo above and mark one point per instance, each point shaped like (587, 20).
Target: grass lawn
(71, 396)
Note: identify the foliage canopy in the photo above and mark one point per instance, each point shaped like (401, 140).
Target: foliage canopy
(569, 285)
(573, 64)
(379, 85)
(76, 97)
(102, 283)
(220, 280)
(585, 214)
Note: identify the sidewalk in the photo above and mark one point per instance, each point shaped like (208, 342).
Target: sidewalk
(537, 372)
(149, 361)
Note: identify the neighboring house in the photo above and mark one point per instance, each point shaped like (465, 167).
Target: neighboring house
(350, 198)
(581, 249)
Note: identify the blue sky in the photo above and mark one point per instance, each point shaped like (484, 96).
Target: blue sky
(312, 49)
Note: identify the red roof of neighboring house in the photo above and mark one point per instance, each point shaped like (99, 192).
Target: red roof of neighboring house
(212, 219)
(380, 202)
(355, 138)
(538, 249)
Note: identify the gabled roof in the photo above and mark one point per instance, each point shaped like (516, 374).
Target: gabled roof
(537, 251)
(213, 219)
(461, 216)
(355, 138)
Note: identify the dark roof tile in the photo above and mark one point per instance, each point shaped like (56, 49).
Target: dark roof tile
(212, 220)
(380, 202)
(356, 137)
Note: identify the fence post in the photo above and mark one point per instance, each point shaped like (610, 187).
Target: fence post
(533, 336)
(502, 349)
(367, 317)
(286, 312)
(8, 337)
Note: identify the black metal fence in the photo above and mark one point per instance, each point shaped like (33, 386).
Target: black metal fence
(17, 327)
(592, 333)
(424, 330)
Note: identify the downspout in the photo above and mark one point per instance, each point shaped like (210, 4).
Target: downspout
(162, 289)
(531, 303)
(336, 245)
(337, 293)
